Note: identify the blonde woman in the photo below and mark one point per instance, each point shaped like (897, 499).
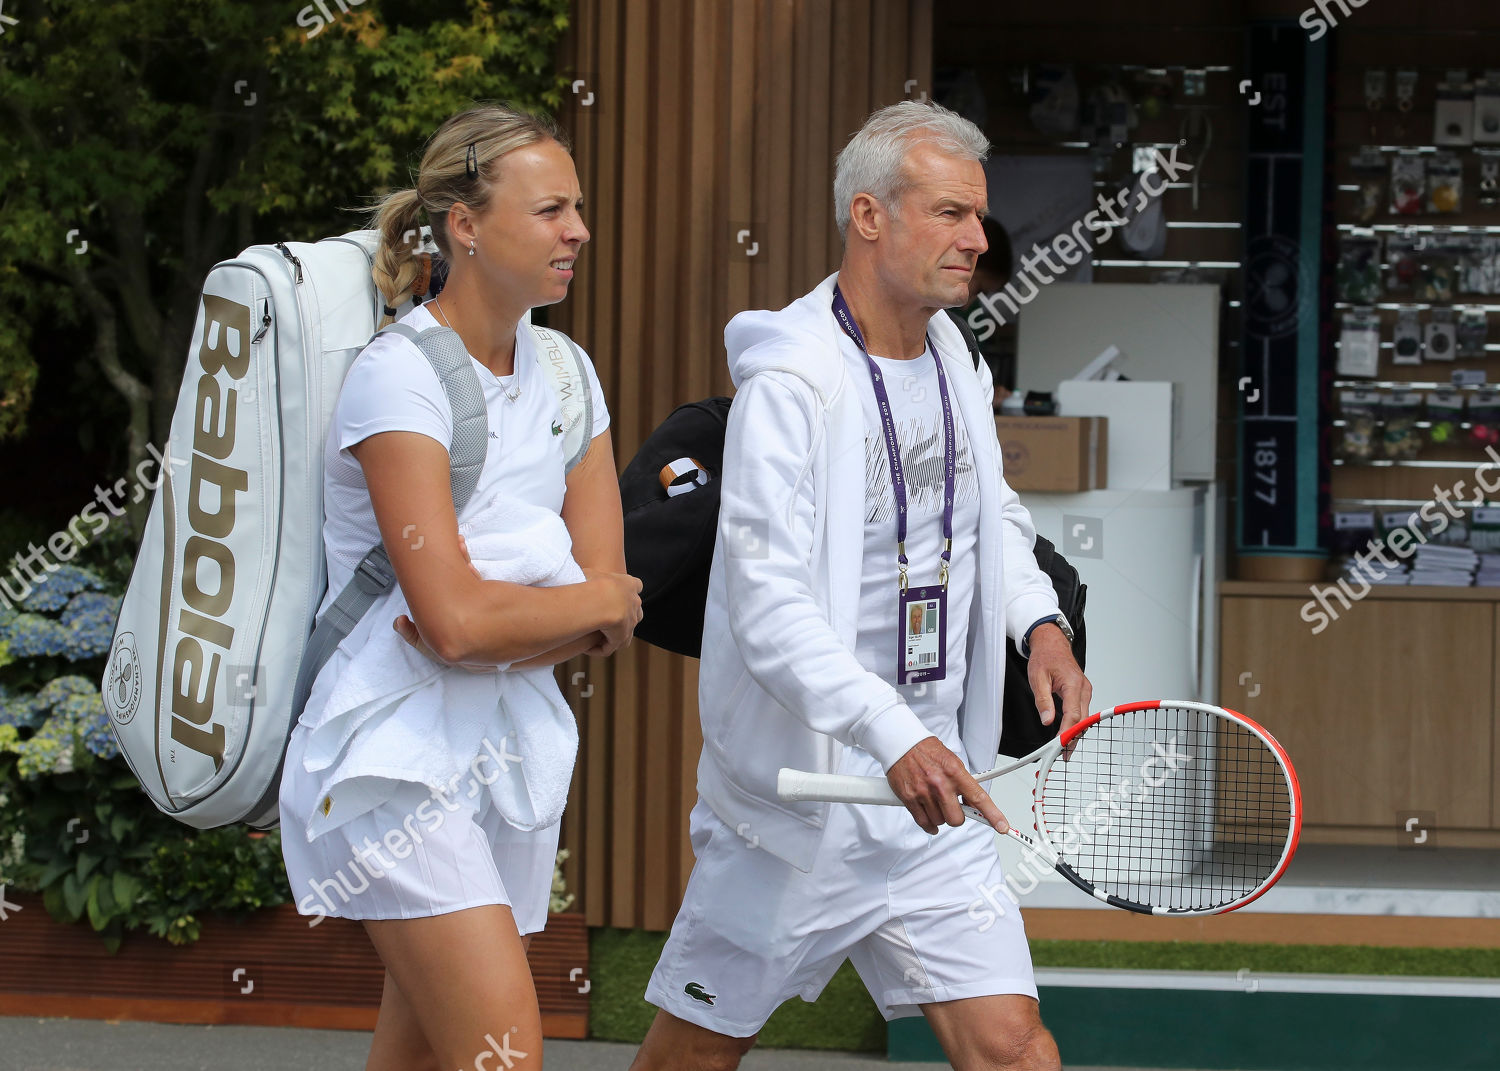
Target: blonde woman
(451, 916)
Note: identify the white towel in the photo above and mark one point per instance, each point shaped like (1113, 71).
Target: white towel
(393, 714)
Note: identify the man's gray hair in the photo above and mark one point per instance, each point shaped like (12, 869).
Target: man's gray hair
(874, 160)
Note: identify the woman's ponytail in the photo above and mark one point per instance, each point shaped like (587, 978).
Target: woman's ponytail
(398, 265)
(458, 165)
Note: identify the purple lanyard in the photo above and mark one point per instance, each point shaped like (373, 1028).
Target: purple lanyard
(888, 424)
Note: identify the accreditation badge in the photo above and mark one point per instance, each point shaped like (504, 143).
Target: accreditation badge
(924, 635)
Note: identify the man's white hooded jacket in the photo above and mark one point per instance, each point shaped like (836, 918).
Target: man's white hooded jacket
(779, 684)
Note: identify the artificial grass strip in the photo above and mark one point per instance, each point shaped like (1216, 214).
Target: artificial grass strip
(620, 965)
(1298, 959)
(845, 1018)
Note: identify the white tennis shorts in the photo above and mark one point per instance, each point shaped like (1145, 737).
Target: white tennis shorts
(416, 855)
(921, 924)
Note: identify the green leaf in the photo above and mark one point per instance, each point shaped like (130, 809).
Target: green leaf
(87, 861)
(97, 916)
(126, 888)
(75, 897)
(52, 900)
(53, 871)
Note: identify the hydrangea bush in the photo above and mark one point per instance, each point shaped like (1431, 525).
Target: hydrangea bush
(75, 825)
(59, 712)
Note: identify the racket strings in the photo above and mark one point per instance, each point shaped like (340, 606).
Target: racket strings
(1169, 807)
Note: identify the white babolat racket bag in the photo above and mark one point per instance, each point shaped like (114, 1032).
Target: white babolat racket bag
(215, 650)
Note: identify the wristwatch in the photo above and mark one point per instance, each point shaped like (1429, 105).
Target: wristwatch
(1056, 619)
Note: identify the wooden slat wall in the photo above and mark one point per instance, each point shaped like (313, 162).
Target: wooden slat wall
(708, 117)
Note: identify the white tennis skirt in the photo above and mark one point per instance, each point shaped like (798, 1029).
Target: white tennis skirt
(418, 854)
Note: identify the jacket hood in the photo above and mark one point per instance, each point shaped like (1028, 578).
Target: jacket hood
(802, 339)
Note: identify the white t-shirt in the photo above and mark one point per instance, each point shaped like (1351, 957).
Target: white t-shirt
(392, 387)
(917, 410)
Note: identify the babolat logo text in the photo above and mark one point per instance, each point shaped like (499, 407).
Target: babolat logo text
(204, 637)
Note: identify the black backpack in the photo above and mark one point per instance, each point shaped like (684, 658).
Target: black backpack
(670, 494)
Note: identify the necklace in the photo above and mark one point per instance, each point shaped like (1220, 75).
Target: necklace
(511, 393)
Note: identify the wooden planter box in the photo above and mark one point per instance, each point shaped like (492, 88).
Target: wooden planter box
(270, 969)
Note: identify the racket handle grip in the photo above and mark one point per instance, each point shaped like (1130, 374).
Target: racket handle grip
(834, 788)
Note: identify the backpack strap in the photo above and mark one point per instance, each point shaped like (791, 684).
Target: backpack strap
(970, 339)
(449, 358)
(562, 360)
(374, 576)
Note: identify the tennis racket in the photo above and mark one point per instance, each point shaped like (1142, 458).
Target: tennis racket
(1164, 807)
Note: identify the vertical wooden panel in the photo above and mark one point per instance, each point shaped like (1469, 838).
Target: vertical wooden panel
(919, 45)
(812, 214)
(701, 208)
(888, 74)
(710, 117)
(660, 701)
(635, 294)
(740, 147)
(850, 102)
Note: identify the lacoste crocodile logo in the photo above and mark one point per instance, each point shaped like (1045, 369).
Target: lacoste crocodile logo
(556, 428)
(695, 990)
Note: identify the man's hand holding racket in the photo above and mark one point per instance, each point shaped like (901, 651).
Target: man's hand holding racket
(1053, 670)
(929, 779)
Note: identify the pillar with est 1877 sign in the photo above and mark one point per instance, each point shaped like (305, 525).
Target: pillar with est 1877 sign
(1281, 487)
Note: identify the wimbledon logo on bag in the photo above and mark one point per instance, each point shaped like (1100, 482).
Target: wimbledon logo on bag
(203, 635)
(124, 683)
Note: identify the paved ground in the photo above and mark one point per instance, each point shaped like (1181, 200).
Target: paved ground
(87, 1045)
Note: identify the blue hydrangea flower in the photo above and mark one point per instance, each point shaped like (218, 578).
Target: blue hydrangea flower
(68, 710)
(61, 689)
(45, 597)
(21, 711)
(34, 636)
(55, 588)
(77, 712)
(95, 730)
(49, 751)
(90, 622)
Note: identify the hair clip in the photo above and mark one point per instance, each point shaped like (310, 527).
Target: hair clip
(471, 162)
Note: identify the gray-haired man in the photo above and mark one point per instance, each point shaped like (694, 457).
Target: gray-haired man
(870, 567)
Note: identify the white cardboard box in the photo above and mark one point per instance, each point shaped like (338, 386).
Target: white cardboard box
(1140, 428)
